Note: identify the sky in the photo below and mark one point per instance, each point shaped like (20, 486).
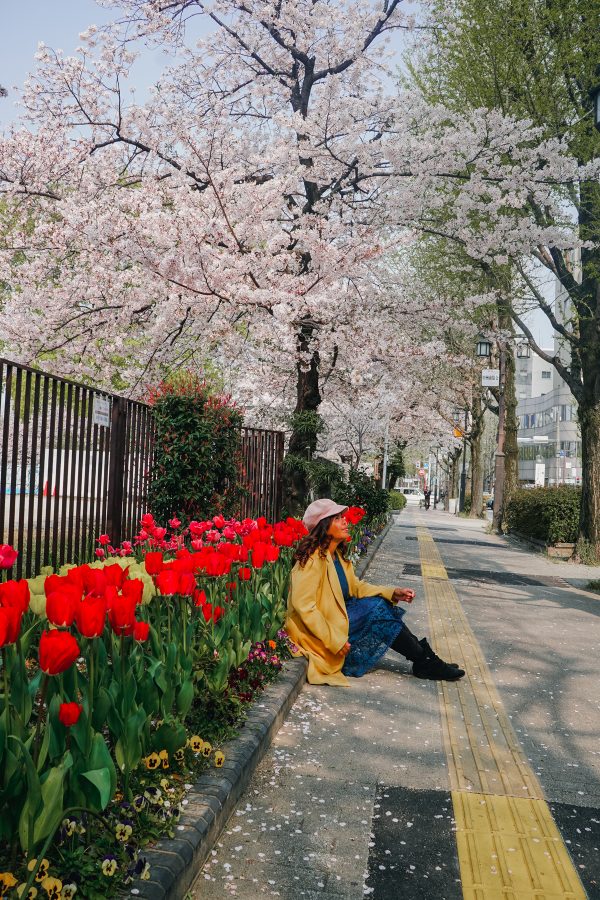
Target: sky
(58, 23)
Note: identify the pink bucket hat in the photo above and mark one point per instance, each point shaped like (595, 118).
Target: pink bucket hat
(320, 509)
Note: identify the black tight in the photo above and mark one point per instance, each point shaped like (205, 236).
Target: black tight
(408, 645)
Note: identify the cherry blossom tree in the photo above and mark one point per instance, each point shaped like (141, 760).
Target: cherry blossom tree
(257, 199)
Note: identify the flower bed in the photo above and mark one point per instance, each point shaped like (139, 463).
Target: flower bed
(123, 678)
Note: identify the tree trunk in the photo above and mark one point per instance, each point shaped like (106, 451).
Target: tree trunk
(476, 459)
(511, 430)
(304, 437)
(588, 313)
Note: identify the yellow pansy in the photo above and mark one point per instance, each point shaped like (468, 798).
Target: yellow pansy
(7, 881)
(53, 887)
(42, 870)
(152, 761)
(219, 758)
(196, 743)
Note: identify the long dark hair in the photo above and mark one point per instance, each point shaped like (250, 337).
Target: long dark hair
(317, 539)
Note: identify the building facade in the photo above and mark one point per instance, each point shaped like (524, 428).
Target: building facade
(549, 438)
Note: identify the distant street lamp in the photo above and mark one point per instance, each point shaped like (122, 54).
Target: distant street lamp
(484, 348)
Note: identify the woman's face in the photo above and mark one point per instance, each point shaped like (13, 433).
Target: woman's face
(338, 528)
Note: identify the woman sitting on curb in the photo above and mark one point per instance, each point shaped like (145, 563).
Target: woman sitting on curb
(344, 625)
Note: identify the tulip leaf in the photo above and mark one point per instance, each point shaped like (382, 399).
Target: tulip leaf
(185, 696)
(101, 779)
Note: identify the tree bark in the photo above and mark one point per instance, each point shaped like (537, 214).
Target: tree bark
(588, 310)
(477, 415)
(303, 440)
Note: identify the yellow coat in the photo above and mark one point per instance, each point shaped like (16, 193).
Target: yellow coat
(317, 621)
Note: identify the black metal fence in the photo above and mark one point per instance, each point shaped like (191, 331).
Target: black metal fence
(75, 463)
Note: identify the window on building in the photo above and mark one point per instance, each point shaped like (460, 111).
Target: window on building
(546, 373)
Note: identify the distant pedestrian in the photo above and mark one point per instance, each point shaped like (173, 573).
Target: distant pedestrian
(344, 625)
(427, 498)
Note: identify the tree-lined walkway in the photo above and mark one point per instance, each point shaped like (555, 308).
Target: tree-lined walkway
(400, 787)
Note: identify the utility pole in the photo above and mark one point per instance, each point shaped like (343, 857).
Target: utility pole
(500, 467)
(463, 474)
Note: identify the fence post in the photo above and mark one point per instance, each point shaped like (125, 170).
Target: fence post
(116, 470)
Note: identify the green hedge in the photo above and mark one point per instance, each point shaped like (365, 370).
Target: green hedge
(397, 500)
(362, 490)
(550, 514)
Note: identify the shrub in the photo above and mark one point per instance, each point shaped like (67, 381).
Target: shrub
(548, 514)
(361, 490)
(397, 500)
(196, 471)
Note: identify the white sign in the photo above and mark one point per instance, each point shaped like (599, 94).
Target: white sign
(101, 411)
(490, 377)
(540, 474)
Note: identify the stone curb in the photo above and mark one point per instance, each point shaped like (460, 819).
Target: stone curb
(175, 862)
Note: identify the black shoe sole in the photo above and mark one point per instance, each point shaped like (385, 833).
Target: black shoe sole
(440, 677)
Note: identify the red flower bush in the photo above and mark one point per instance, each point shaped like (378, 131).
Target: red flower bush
(57, 651)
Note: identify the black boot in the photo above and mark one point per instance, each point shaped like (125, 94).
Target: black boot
(431, 666)
(425, 645)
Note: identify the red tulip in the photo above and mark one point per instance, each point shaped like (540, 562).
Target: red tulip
(141, 630)
(90, 614)
(199, 598)
(68, 713)
(147, 520)
(121, 614)
(187, 583)
(154, 562)
(15, 594)
(272, 553)
(245, 573)
(211, 612)
(4, 627)
(133, 588)
(115, 574)
(159, 533)
(259, 555)
(167, 581)
(60, 607)
(354, 514)
(8, 556)
(218, 521)
(57, 651)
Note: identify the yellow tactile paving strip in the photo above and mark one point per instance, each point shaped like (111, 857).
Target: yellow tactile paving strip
(509, 847)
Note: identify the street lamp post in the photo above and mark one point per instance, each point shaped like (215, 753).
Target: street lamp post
(463, 474)
(484, 349)
(500, 467)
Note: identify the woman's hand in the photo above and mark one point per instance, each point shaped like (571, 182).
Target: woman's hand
(403, 595)
(345, 649)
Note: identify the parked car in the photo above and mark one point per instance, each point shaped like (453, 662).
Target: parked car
(490, 503)
(414, 497)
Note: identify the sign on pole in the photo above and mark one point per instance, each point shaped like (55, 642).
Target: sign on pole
(101, 411)
(490, 377)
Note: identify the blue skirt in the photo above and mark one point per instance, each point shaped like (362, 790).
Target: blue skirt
(374, 625)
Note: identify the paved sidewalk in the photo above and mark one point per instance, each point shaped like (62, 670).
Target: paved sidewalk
(373, 790)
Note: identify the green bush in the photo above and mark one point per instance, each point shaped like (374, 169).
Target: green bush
(397, 500)
(196, 471)
(549, 514)
(361, 490)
